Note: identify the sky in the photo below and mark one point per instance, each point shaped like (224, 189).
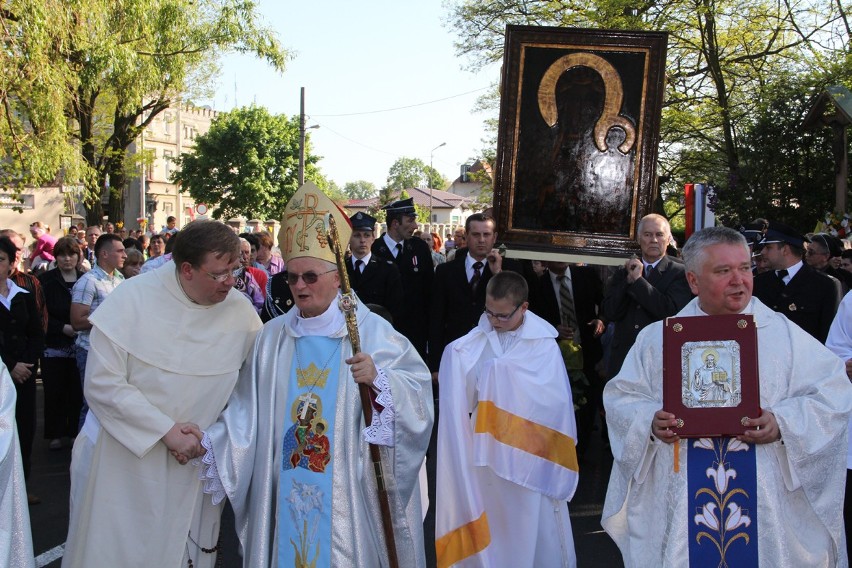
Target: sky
(381, 80)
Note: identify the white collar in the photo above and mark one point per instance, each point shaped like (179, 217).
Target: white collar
(469, 262)
(792, 270)
(365, 259)
(328, 323)
(557, 278)
(390, 242)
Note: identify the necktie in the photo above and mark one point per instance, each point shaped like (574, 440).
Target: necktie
(477, 274)
(356, 275)
(398, 248)
(566, 305)
(781, 274)
(649, 269)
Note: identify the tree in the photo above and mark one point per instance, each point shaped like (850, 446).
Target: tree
(118, 65)
(412, 172)
(360, 189)
(247, 164)
(722, 54)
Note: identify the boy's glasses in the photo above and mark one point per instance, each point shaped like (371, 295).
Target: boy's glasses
(501, 317)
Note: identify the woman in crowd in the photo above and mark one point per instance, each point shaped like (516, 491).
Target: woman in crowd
(42, 252)
(249, 280)
(133, 263)
(63, 394)
(434, 242)
(271, 263)
(23, 341)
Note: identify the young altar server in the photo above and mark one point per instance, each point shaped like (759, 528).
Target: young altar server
(507, 464)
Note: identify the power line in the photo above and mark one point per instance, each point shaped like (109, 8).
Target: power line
(405, 107)
(324, 127)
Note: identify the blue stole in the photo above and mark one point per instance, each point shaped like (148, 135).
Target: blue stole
(305, 481)
(722, 481)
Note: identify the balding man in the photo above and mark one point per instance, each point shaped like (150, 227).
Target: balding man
(645, 290)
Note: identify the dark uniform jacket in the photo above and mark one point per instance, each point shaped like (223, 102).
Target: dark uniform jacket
(415, 269)
(57, 297)
(809, 300)
(279, 298)
(455, 308)
(588, 296)
(633, 306)
(22, 331)
(379, 283)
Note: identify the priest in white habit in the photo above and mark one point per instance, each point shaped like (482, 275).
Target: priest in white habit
(290, 451)
(16, 543)
(770, 497)
(507, 463)
(166, 349)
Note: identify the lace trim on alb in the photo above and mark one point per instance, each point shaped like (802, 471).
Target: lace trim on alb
(380, 430)
(209, 473)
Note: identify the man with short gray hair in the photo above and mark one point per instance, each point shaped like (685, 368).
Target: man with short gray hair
(768, 502)
(645, 290)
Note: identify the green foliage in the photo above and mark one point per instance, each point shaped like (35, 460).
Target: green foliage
(412, 172)
(360, 189)
(81, 79)
(724, 60)
(247, 164)
(485, 199)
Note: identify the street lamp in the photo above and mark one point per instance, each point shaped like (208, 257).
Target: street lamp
(432, 155)
(302, 138)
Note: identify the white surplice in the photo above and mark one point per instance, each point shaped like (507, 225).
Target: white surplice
(503, 487)
(800, 480)
(16, 543)
(156, 358)
(246, 443)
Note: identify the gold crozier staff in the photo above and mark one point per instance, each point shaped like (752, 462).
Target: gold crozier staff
(347, 306)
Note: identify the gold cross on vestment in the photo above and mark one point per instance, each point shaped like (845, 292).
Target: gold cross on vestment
(309, 216)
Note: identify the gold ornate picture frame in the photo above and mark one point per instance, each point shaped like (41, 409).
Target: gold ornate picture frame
(577, 142)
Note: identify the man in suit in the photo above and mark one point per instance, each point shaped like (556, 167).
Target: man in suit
(806, 296)
(458, 302)
(569, 298)
(820, 255)
(644, 290)
(413, 258)
(376, 281)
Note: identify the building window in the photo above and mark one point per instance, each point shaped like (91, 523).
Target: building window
(167, 123)
(168, 156)
(168, 208)
(149, 169)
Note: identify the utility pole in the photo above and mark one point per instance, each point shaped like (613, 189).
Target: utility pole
(302, 139)
(431, 156)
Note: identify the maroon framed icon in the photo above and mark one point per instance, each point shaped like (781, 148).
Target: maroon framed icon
(710, 374)
(577, 143)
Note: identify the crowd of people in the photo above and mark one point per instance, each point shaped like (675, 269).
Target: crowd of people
(263, 395)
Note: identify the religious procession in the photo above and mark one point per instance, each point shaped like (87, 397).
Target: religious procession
(555, 361)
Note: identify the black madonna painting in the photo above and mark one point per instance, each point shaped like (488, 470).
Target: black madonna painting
(579, 124)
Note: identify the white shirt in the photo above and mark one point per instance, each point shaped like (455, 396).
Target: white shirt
(556, 281)
(392, 244)
(791, 271)
(14, 290)
(365, 259)
(468, 266)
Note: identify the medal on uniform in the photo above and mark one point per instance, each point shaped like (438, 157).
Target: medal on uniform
(414, 263)
(792, 307)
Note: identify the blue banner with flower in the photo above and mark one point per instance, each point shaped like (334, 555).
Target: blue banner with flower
(722, 478)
